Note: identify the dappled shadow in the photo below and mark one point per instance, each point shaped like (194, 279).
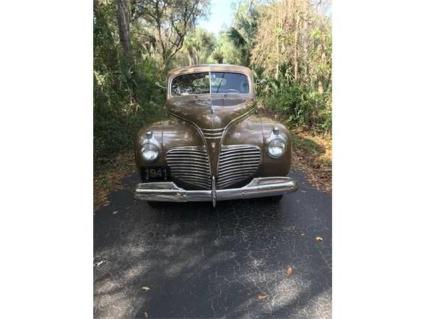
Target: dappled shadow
(307, 143)
(191, 260)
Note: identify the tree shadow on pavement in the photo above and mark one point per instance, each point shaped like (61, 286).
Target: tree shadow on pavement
(195, 261)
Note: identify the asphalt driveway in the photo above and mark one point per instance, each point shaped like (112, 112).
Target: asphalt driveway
(243, 259)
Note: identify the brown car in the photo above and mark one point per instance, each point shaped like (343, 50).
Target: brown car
(214, 147)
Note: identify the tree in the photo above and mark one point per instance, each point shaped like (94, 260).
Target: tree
(198, 46)
(123, 20)
(244, 29)
(171, 20)
(226, 51)
(294, 35)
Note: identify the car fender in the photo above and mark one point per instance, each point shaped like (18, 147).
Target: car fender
(170, 133)
(256, 130)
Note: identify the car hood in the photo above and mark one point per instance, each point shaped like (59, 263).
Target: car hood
(210, 111)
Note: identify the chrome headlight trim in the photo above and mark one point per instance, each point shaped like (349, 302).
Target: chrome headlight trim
(150, 148)
(150, 152)
(276, 148)
(275, 143)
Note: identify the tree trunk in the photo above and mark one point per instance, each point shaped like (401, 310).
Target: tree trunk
(124, 26)
(277, 48)
(277, 66)
(296, 43)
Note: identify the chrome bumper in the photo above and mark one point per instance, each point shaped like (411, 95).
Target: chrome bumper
(258, 187)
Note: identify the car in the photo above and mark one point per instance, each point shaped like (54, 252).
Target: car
(214, 146)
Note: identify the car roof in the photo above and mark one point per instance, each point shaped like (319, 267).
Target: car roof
(210, 68)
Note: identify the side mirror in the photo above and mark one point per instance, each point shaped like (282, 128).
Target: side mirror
(160, 86)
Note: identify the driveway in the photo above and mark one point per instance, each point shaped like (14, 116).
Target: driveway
(242, 259)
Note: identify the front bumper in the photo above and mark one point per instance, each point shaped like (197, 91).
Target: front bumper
(258, 187)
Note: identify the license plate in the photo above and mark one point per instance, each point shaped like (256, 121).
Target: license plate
(151, 174)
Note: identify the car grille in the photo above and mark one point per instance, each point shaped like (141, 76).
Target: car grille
(237, 163)
(213, 133)
(190, 165)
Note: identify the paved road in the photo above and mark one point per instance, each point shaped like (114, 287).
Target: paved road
(194, 261)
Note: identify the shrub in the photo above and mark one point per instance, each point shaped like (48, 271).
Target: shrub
(300, 105)
(124, 101)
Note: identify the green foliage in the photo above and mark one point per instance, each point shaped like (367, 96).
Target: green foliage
(291, 55)
(117, 113)
(226, 51)
(233, 45)
(297, 103)
(244, 29)
(125, 97)
(197, 48)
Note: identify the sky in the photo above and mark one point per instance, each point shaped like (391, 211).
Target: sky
(221, 13)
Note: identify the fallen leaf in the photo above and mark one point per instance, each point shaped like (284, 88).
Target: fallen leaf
(144, 288)
(261, 296)
(115, 212)
(97, 264)
(289, 271)
(145, 314)
(319, 238)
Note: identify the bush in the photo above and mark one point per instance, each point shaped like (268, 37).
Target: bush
(300, 105)
(124, 101)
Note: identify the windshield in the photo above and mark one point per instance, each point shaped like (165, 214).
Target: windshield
(217, 82)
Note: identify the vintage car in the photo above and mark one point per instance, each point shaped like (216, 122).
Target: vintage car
(214, 147)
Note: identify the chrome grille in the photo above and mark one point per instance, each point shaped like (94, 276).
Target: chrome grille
(237, 163)
(212, 133)
(190, 165)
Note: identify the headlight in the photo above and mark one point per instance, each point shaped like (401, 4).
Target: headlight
(150, 152)
(276, 148)
(277, 143)
(150, 149)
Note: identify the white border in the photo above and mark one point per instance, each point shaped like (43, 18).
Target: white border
(46, 162)
(379, 159)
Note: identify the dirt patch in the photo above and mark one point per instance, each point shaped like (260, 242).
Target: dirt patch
(108, 177)
(312, 153)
